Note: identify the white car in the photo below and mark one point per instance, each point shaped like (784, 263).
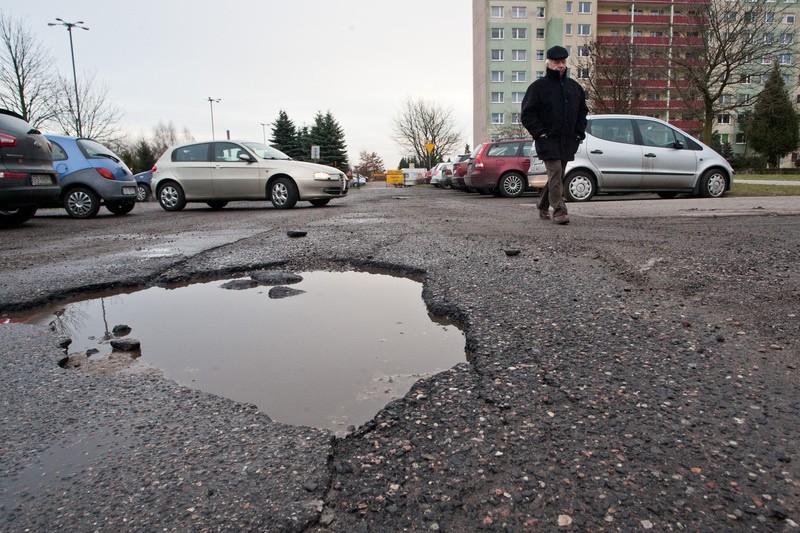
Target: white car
(219, 172)
(441, 174)
(631, 153)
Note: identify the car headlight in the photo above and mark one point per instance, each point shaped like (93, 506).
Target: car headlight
(322, 175)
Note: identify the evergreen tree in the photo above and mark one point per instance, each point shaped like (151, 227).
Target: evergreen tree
(303, 144)
(772, 130)
(284, 136)
(328, 135)
(144, 156)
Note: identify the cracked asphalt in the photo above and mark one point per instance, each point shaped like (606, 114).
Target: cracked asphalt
(634, 370)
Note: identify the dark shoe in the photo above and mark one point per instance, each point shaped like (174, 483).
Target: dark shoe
(561, 219)
(544, 214)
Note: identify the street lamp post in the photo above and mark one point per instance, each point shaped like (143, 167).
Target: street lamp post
(211, 103)
(264, 131)
(69, 26)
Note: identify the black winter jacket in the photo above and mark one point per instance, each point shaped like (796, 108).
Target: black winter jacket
(555, 107)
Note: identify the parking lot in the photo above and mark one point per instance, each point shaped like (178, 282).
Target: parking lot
(636, 369)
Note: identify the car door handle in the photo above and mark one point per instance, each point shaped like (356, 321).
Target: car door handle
(651, 154)
(596, 151)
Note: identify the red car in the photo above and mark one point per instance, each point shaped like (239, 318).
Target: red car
(500, 167)
(459, 171)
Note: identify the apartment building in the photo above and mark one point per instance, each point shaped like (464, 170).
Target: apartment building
(510, 39)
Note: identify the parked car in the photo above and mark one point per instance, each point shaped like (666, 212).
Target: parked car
(441, 174)
(630, 153)
(500, 167)
(91, 174)
(143, 190)
(459, 171)
(222, 171)
(358, 180)
(27, 177)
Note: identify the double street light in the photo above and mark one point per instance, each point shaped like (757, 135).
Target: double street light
(69, 26)
(211, 103)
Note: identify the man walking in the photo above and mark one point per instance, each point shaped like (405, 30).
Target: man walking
(554, 113)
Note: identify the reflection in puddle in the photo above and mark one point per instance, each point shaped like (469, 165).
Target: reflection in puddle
(329, 357)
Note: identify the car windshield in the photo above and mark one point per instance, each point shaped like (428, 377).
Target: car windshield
(93, 150)
(266, 152)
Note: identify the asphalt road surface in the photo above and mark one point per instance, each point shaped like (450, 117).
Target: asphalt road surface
(634, 370)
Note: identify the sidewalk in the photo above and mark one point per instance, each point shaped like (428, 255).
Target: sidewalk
(765, 182)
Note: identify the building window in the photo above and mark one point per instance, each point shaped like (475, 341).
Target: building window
(497, 33)
(540, 33)
(784, 59)
(742, 98)
(518, 76)
(515, 118)
(724, 118)
(568, 7)
(584, 29)
(497, 55)
(567, 29)
(518, 12)
(539, 12)
(788, 19)
(726, 99)
(584, 7)
(540, 55)
(769, 17)
(583, 51)
(497, 12)
(740, 138)
(539, 74)
(583, 73)
(768, 38)
(519, 55)
(498, 118)
(497, 76)
(519, 33)
(497, 97)
(787, 38)
(766, 60)
(516, 97)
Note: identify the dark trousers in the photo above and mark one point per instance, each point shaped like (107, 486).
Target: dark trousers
(553, 194)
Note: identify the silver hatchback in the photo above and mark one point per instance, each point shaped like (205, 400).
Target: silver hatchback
(630, 153)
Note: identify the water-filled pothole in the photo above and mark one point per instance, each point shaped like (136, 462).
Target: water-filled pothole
(331, 356)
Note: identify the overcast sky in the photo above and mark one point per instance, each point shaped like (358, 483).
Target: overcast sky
(359, 59)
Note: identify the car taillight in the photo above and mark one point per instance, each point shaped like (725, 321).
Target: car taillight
(13, 175)
(105, 173)
(154, 168)
(478, 161)
(7, 141)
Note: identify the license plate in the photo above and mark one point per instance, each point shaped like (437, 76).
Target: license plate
(41, 179)
(129, 191)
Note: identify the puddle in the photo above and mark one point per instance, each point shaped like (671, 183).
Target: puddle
(331, 356)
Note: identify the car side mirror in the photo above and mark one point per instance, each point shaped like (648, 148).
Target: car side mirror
(678, 144)
(246, 158)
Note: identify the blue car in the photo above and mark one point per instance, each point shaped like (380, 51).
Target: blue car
(143, 189)
(91, 174)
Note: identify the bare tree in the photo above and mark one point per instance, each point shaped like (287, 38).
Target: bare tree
(27, 80)
(99, 119)
(419, 123)
(727, 42)
(369, 163)
(613, 63)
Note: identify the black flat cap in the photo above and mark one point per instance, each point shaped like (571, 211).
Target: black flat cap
(557, 52)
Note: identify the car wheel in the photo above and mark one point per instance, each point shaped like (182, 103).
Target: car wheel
(322, 202)
(121, 207)
(712, 184)
(142, 193)
(579, 186)
(10, 218)
(171, 197)
(216, 205)
(667, 195)
(81, 202)
(283, 193)
(512, 185)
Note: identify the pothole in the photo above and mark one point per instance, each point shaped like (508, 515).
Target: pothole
(329, 351)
